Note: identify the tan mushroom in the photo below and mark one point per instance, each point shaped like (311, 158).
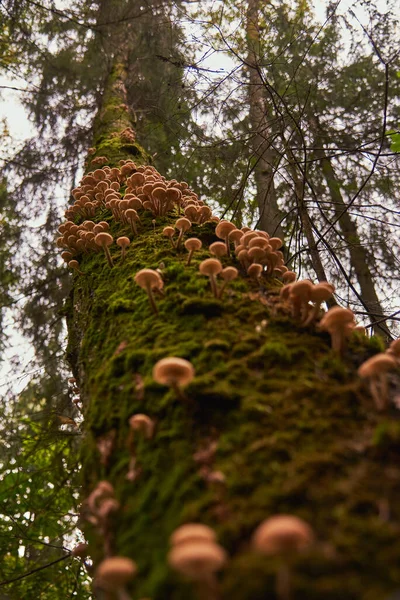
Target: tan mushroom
(174, 372)
(211, 267)
(123, 243)
(105, 240)
(228, 274)
(339, 322)
(375, 371)
(114, 573)
(73, 264)
(283, 536)
(183, 224)
(169, 232)
(150, 280)
(223, 230)
(192, 244)
(218, 249)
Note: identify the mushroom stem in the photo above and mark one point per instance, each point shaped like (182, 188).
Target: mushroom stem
(282, 584)
(122, 594)
(207, 588)
(379, 391)
(108, 256)
(191, 252)
(337, 339)
(151, 298)
(214, 287)
(179, 239)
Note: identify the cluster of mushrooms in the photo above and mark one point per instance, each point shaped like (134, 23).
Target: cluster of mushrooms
(122, 194)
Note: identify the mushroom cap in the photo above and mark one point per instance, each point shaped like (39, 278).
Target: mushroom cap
(191, 532)
(321, 292)
(115, 572)
(173, 371)
(394, 347)
(235, 235)
(289, 277)
(104, 239)
(183, 224)
(197, 559)
(337, 318)
(218, 248)
(254, 270)
(380, 363)
(301, 289)
(143, 423)
(276, 243)
(169, 231)
(193, 244)
(282, 534)
(210, 266)
(123, 242)
(147, 278)
(224, 228)
(229, 273)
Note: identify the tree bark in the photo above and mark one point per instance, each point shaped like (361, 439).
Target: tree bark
(265, 157)
(273, 422)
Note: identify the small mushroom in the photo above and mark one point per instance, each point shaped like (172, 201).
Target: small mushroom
(114, 573)
(228, 274)
(137, 423)
(222, 230)
(150, 280)
(211, 267)
(195, 553)
(218, 249)
(321, 292)
(170, 232)
(375, 371)
(183, 224)
(73, 264)
(283, 536)
(123, 243)
(105, 240)
(339, 322)
(192, 244)
(174, 372)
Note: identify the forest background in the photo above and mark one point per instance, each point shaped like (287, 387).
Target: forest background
(281, 119)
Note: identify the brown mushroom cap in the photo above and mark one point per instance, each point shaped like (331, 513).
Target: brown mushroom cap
(192, 244)
(149, 279)
(115, 572)
(191, 532)
(282, 534)
(197, 559)
(143, 423)
(104, 239)
(218, 248)
(394, 348)
(380, 363)
(210, 266)
(337, 317)
(229, 273)
(223, 229)
(173, 371)
(123, 242)
(183, 224)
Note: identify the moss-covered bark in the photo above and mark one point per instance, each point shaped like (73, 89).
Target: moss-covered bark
(292, 429)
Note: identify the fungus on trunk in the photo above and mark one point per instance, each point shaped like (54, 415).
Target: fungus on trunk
(375, 371)
(211, 267)
(223, 230)
(183, 224)
(105, 240)
(192, 244)
(73, 264)
(123, 243)
(339, 322)
(228, 274)
(150, 280)
(283, 536)
(174, 372)
(114, 573)
(169, 232)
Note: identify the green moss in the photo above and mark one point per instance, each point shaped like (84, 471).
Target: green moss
(293, 433)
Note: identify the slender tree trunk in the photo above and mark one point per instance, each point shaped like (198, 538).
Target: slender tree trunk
(273, 421)
(359, 257)
(264, 155)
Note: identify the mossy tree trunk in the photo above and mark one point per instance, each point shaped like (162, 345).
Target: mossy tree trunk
(273, 422)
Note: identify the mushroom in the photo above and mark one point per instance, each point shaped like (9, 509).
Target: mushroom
(174, 372)
(228, 274)
(223, 230)
(218, 249)
(73, 264)
(150, 280)
(114, 573)
(375, 369)
(339, 322)
(141, 423)
(192, 244)
(255, 270)
(123, 242)
(211, 267)
(289, 277)
(321, 292)
(283, 536)
(183, 224)
(195, 553)
(170, 232)
(104, 240)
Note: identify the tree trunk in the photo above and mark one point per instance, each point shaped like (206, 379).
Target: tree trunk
(359, 257)
(273, 422)
(265, 157)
